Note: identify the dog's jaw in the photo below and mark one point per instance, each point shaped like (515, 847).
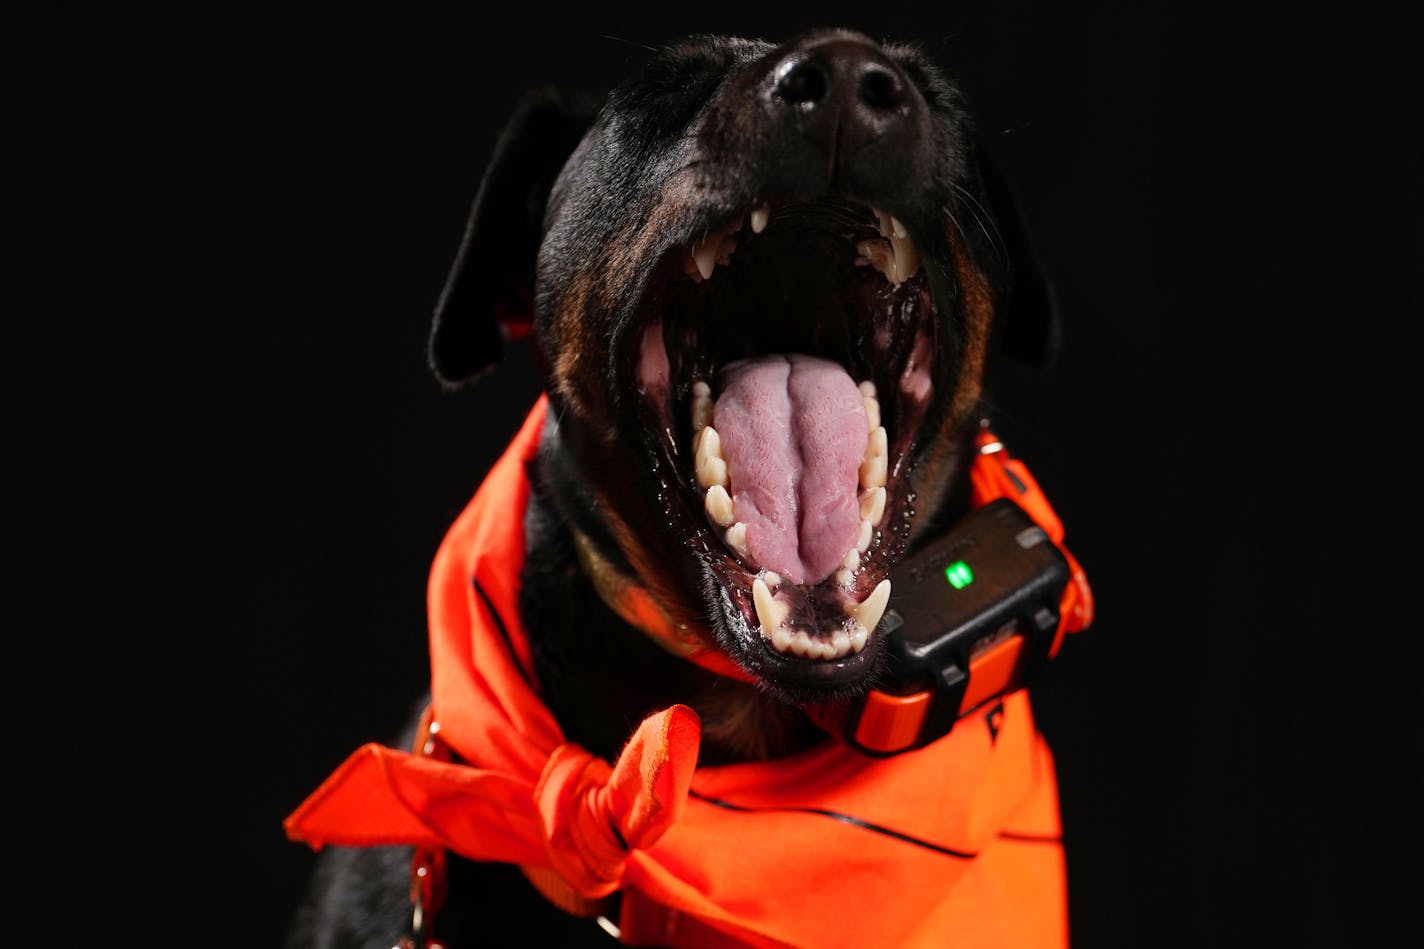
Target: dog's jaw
(795, 551)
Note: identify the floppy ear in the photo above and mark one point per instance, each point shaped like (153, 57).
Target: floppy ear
(489, 294)
(1028, 323)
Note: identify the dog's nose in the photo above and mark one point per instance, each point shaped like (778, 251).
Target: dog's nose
(841, 92)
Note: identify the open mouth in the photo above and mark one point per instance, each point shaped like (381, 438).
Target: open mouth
(784, 365)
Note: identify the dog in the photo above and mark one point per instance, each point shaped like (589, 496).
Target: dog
(731, 268)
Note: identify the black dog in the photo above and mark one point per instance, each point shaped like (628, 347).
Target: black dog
(793, 240)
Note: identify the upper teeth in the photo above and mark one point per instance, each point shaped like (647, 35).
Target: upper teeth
(717, 247)
(720, 503)
(893, 253)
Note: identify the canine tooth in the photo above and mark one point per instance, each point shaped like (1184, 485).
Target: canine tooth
(868, 612)
(858, 638)
(872, 505)
(906, 259)
(770, 613)
(872, 411)
(894, 254)
(704, 255)
(759, 218)
(852, 559)
(862, 540)
(736, 538)
(719, 506)
(710, 467)
(867, 389)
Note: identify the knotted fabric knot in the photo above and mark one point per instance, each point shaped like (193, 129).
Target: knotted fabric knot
(594, 814)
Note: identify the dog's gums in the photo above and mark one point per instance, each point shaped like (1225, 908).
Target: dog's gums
(786, 360)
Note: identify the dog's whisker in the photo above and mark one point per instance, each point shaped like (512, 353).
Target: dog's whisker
(633, 43)
(963, 235)
(996, 239)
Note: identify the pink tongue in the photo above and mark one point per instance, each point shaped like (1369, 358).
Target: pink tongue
(793, 433)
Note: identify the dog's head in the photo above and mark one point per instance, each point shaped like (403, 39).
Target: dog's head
(767, 282)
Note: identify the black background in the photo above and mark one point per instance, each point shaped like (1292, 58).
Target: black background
(233, 465)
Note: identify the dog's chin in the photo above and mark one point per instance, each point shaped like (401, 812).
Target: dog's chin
(783, 364)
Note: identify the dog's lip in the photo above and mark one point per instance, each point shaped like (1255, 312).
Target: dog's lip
(737, 627)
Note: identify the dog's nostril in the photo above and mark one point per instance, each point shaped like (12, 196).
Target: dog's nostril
(881, 89)
(802, 83)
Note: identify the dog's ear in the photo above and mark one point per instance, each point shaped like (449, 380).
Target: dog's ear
(1029, 327)
(489, 294)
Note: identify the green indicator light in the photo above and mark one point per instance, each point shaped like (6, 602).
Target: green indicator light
(959, 574)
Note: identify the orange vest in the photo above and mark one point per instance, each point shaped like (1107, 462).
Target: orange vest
(957, 843)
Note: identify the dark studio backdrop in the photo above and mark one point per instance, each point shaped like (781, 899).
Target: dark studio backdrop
(238, 465)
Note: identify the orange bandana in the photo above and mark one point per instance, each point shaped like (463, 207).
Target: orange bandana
(956, 843)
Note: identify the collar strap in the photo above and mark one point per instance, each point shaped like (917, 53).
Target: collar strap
(996, 474)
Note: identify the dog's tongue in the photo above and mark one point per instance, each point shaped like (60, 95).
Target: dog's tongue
(793, 432)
